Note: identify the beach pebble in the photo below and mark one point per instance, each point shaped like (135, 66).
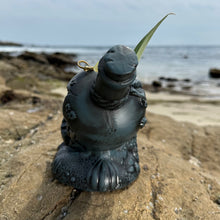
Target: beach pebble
(39, 197)
(145, 167)
(209, 187)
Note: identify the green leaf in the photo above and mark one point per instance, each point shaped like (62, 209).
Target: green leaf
(95, 68)
(139, 49)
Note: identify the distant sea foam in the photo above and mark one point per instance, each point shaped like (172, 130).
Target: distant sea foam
(181, 62)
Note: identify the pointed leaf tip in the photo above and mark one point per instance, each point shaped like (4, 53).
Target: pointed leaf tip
(139, 49)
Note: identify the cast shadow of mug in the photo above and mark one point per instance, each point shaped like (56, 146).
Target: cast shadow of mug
(53, 200)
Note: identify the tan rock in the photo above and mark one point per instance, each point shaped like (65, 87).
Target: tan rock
(170, 185)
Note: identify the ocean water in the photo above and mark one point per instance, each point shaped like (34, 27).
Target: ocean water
(180, 62)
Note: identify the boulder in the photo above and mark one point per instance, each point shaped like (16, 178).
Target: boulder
(168, 79)
(187, 80)
(39, 67)
(175, 180)
(60, 59)
(5, 55)
(56, 59)
(29, 56)
(214, 73)
(156, 84)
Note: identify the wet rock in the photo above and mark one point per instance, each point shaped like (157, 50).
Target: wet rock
(187, 80)
(170, 85)
(168, 79)
(27, 69)
(214, 73)
(61, 59)
(157, 84)
(4, 55)
(39, 58)
(162, 78)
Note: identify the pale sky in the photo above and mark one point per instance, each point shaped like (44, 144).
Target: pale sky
(100, 22)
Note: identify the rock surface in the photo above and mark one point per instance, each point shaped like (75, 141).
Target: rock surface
(29, 67)
(180, 162)
(179, 178)
(6, 43)
(214, 73)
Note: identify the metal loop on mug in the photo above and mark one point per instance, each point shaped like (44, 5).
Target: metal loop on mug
(86, 67)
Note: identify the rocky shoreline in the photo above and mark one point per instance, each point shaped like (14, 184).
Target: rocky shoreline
(180, 161)
(41, 66)
(7, 43)
(187, 86)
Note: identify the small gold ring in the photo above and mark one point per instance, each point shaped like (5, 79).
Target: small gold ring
(87, 67)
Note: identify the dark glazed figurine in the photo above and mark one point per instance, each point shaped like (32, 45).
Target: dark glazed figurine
(102, 114)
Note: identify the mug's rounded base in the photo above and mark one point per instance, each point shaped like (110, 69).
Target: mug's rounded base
(97, 170)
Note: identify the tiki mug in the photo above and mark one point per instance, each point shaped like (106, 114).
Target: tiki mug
(102, 114)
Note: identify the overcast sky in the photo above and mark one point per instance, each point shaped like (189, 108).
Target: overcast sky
(101, 22)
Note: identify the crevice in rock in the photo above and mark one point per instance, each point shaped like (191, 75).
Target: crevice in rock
(73, 196)
(50, 212)
(24, 171)
(154, 198)
(64, 210)
(156, 188)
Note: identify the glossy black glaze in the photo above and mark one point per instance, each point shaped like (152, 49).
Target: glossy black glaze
(102, 114)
